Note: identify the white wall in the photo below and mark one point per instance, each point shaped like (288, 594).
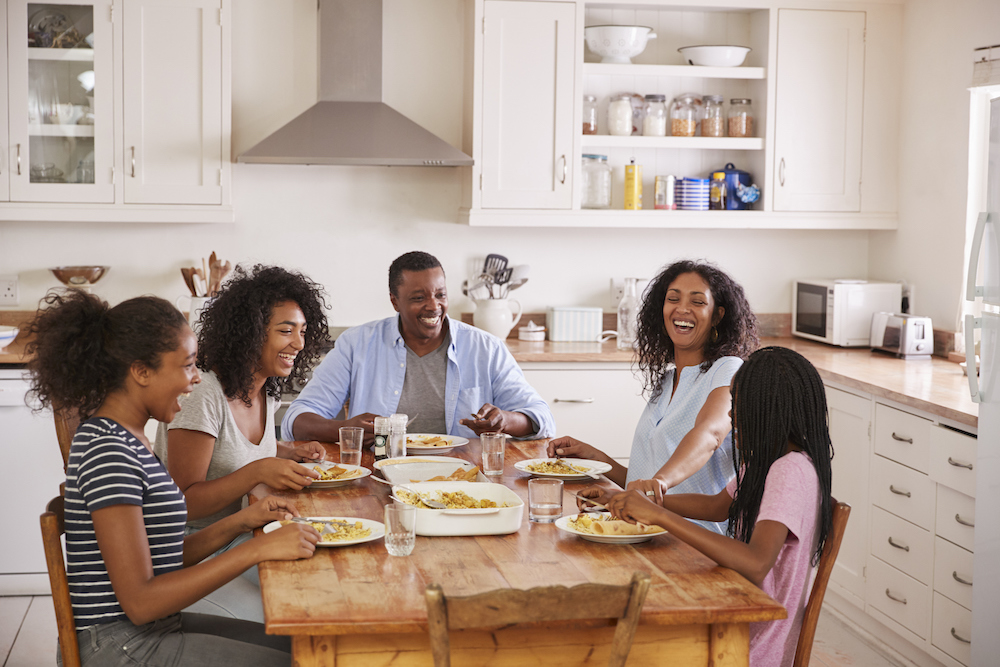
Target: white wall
(344, 225)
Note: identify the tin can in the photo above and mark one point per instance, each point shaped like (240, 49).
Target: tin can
(663, 194)
(633, 186)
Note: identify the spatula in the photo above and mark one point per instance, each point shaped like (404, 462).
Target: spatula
(494, 263)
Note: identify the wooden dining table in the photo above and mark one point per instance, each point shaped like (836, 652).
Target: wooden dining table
(357, 605)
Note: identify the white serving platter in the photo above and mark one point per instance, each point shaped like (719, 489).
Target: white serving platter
(562, 523)
(377, 528)
(486, 521)
(329, 484)
(596, 467)
(412, 442)
(410, 470)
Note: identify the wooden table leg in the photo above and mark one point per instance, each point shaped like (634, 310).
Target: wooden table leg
(729, 645)
(310, 651)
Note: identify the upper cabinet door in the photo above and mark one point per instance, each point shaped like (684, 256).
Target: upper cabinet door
(173, 148)
(529, 55)
(4, 162)
(60, 101)
(818, 110)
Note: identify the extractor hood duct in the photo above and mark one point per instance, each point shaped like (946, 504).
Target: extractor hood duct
(350, 125)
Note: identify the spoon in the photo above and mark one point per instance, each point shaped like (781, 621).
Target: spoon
(435, 504)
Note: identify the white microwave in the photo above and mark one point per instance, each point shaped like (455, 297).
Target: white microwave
(839, 312)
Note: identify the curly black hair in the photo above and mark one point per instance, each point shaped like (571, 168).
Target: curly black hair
(737, 329)
(416, 260)
(82, 349)
(233, 327)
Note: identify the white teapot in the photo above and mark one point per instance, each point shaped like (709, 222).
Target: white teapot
(496, 315)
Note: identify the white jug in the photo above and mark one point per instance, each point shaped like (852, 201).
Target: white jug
(496, 315)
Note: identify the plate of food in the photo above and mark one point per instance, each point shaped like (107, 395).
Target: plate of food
(335, 474)
(569, 469)
(339, 531)
(427, 442)
(605, 529)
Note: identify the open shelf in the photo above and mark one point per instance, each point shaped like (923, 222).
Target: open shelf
(716, 143)
(675, 70)
(37, 130)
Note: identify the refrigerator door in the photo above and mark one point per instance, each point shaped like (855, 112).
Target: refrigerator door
(991, 237)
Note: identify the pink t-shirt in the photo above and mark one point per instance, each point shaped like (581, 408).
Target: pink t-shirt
(791, 497)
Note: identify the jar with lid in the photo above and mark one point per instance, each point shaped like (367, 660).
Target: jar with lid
(712, 121)
(589, 114)
(620, 116)
(717, 192)
(740, 118)
(596, 188)
(654, 121)
(684, 115)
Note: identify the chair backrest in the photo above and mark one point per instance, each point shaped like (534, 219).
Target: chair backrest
(53, 526)
(67, 421)
(543, 603)
(803, 650)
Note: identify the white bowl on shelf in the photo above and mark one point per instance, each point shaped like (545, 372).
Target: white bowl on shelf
(7, 336)
(715, 56)
(617, 43)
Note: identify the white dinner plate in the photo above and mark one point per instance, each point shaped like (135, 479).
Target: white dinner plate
(562, 523)
(453, 442)
(326, 465)
(377, 528)
(596, 467)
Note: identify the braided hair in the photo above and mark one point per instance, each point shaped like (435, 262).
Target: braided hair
(82, 349)
(778, 398)
(737, 329)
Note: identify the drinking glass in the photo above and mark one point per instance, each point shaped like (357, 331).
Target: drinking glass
(351, 438)
(493, 443)
(400, 529)
(544, 499)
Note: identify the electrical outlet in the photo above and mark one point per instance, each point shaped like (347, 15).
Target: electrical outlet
(8, 291)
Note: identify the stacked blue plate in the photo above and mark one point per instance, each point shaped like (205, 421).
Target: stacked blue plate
(692, 194)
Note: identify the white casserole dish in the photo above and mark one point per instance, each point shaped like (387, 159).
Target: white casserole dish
(487, 521)
(408, 471)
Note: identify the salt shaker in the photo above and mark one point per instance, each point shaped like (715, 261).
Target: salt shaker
(397, 435)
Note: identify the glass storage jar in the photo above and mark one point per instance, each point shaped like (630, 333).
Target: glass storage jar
(713, 122)
(596, 188)
(740, 118)
(684, 115)
(620, 116)
(589, 114)
(654, 120)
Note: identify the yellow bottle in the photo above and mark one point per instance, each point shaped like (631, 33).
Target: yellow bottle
(633, 186)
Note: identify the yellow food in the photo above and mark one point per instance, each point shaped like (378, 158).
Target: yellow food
(603, 524)
(428, 441)
(338, 532)
(454, 500)
(336, 473)
(556, 468)
(460, 475)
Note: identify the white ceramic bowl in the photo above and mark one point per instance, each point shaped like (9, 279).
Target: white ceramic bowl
(617, 43)
(715, 56)
(7, 336)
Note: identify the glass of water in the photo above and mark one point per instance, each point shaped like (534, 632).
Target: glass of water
(493, 443)
(351, 438)
(544, 499)
(400, 529)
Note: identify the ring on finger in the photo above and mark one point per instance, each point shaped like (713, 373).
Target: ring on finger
(650, 493)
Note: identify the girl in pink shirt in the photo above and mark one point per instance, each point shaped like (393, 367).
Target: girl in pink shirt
(779, 506)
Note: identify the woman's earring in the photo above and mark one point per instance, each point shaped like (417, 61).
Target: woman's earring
(715, 335)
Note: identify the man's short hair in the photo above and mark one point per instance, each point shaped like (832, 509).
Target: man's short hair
(411, 261)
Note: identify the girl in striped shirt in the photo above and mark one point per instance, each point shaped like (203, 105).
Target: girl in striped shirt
(130, 567)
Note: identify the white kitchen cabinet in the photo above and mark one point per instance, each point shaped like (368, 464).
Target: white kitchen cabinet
(529, 57)
(149, 142)
(819, 110)
(4, 172)
(850, 424)
(599, 403)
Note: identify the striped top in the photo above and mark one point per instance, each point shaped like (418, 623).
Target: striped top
(109, 466)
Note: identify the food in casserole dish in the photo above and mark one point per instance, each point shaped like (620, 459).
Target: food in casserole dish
(455, 500)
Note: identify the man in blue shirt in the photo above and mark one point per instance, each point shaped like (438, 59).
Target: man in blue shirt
(451, 378)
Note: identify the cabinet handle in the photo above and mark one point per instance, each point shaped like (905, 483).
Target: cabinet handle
(19, 159)
(962, 521)
(898, 492)
(573, 400)
(954, 575)
(133, 161)
(901, 439)
(961, 639)
(958, 464)
(565, 168)
(893, 597)
(781, 172)
(899, 546)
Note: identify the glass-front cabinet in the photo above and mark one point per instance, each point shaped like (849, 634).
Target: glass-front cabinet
(59, 102)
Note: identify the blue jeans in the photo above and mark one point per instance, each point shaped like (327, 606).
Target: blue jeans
(240, 598)
(180, 640)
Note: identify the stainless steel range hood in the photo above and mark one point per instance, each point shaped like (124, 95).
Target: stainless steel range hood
(350, 125)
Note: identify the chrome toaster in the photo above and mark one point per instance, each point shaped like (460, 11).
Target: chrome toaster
(904, 336)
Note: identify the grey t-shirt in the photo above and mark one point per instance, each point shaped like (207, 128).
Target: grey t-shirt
(424, 388)
(206, 409)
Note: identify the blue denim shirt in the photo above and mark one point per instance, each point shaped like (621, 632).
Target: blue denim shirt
(368, 366)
